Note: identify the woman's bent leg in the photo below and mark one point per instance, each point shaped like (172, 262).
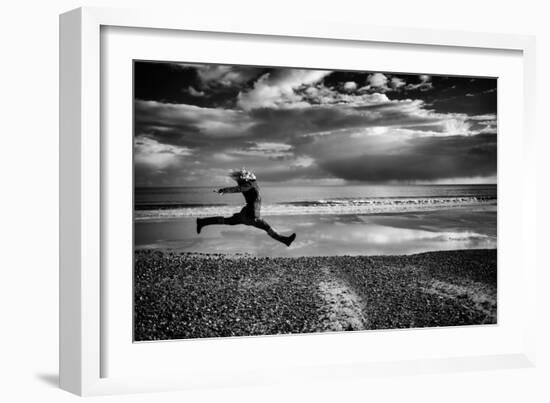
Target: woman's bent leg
(261, 224)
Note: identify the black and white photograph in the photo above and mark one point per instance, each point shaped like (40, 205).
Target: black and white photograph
(282, 200)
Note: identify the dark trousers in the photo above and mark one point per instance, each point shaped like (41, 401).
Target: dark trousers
(243, 218)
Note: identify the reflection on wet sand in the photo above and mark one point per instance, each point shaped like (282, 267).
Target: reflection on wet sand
(320, 235)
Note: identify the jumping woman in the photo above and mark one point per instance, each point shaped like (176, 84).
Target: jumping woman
(249, 214)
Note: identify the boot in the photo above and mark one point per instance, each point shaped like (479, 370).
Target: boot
(287, 240)
(199, 225)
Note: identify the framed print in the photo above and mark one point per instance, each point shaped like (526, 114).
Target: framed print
(346, 171)
(236, 199)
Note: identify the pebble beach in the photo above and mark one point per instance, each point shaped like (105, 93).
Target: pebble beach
(183, 295)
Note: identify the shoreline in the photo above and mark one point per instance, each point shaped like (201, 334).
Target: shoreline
(181, 295)
(176, 213)
(237, 255)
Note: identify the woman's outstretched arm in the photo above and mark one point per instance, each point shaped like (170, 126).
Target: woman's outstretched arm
(235, 189)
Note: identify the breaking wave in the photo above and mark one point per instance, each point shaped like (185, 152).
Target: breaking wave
(329, 206)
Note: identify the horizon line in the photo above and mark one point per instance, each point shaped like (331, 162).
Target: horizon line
(267, 184)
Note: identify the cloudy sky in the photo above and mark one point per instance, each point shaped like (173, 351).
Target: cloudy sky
(193, 123)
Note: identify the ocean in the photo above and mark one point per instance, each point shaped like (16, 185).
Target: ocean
(328, 220)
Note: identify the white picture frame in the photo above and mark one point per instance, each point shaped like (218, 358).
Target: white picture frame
(82, 187)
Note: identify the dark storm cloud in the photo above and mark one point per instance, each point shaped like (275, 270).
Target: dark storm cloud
(427, 158)
(197, 121)
(201, 85)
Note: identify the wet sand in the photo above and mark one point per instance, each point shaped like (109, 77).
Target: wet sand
(191, 295)
(374, 234)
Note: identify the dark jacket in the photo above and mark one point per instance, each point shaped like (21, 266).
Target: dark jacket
(251, 193)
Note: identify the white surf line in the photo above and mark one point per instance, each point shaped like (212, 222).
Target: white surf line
(343, 306)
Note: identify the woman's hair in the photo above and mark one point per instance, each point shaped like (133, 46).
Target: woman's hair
(242, 175)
